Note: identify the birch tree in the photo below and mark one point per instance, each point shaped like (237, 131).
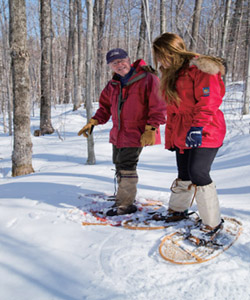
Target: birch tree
(78, 83)
(163, 16)
(89, 92)
(147, 20)
(196, 24)
(46, 67)
(68, 66)
(75, 59)
(5, 72)
(22, 150)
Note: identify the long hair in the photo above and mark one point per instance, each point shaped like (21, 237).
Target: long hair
(170, 48)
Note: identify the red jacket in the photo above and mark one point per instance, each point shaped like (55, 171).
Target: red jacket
(138, 103)
(201, 90)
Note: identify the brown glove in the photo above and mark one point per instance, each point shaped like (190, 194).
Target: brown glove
(87, 129)
(148, 137)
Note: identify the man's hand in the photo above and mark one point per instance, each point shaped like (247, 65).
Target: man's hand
(148, 137)
(87, 129)
(194, 137)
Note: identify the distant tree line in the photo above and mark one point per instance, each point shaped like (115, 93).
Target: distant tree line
(65, 42)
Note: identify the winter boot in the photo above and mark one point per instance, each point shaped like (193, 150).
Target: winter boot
(125, 197)
(116, 211)
(172, 216)
(208, 205)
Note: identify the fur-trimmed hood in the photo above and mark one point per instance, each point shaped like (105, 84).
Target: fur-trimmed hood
(208, 65)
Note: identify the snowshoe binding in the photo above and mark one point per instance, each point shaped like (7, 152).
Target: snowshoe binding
(117, 211)
(204, 235)
(172, 216)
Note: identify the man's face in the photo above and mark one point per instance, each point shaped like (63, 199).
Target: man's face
(120, 66)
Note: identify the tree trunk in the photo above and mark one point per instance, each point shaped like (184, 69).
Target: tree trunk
(110, 34)
(22, 151)
(247, 91)
(178, 8)
(147, 21)
(225, 28)
(89, 92)
(5, 72)
(75, 60)
(68, 66)
(245, 110)
(142, 36)
(46, 34)
(99, 21)
(163, 17)
(10, 105)
(236, 34)
(196, 25)
(78, 98)
(128, 29)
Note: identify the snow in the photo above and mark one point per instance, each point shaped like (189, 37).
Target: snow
(46, 254)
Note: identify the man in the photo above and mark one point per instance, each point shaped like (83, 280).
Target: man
(132, 99)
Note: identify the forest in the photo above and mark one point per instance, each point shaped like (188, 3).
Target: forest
(53, 52)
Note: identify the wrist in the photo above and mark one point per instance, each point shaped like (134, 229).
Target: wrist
(196, 128)
(149, 127)
(93, 122)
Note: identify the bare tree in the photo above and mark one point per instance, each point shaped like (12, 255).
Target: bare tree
(79, 70)
(127, 25)
(142, 35)
(89, 92)
(163, 16)
(46, 67)
(247, 92)
(22, 151)
(247, 89)
(68, 66)
(178, 9)
(225, 28)
(147, 20)
(110, 29)
(99, 22)
(196, 24)
(110, 34)
(75, 60)
(235, 35)
(5, 71)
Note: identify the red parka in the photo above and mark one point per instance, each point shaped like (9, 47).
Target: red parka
(201, 90)
(135, 105)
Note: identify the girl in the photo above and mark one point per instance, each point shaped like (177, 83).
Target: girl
(193, 90)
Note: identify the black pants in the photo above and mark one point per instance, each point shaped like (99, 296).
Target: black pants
(195, 164)
(126, 158)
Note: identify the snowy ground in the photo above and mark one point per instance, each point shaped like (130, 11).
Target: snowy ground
(45, 254)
